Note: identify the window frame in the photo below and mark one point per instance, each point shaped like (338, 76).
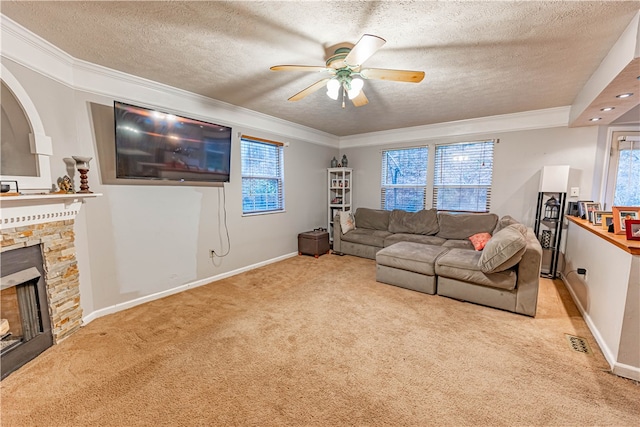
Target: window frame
(385, 187)
(247, 176)
(611, 163)
(436, 187)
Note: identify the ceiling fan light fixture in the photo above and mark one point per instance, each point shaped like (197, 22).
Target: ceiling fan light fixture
(343, 75)
(356, 86)
(333, 89)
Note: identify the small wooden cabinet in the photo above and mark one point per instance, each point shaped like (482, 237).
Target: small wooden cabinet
(340, 194)
(314, 243)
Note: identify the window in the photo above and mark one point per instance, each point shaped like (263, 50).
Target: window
(625, 170)
(262, 175)
(404, 178)
(462, 176)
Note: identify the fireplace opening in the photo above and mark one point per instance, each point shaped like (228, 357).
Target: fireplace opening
(25, 324)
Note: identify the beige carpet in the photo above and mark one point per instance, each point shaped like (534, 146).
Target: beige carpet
(319, 342)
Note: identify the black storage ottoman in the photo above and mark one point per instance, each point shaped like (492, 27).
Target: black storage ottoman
(314, 243)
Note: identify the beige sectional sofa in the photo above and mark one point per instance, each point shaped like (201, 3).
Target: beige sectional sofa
(430, 251)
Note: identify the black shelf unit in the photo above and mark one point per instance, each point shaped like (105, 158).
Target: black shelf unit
(548, 228)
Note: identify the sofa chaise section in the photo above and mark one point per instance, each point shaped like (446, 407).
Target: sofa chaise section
(431, 252)
(515, 288)
(409, 265)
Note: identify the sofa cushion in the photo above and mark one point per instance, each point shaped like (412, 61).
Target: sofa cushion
(416, 238)
(479, 240)
(366, 237)
(422, 222)
(504, 249)
(460, 244)
(504, 222)
(373, 219)
(411, 256)
(461, 226)
(462, 264)
(347, 221)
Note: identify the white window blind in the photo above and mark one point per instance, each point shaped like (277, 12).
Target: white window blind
(404, 179)
(462, 176)
(262, 175)
(627, 190)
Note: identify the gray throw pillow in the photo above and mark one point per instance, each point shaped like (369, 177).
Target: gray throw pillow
(504, 222)
(504, 249)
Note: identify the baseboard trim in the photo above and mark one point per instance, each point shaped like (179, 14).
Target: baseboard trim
(134, 302)
(617, 368)
(627, 371)
(608, 354)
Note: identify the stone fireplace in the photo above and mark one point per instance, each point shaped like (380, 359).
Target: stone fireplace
(44, 224)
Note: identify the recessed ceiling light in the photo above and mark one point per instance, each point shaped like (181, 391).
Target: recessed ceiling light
(607, 108)
(595, 119)
(624, 95)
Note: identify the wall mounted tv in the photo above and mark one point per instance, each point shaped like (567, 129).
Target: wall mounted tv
(153, 145)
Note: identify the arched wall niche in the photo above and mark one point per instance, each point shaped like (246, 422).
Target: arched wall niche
(40, 145)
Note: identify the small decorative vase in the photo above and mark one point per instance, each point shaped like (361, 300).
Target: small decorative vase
(82, 163)
(334, 163)
(344, 161)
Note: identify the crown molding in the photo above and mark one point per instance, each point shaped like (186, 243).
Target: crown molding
(29, 50)
(42, 57)
(528, 120)
(33, 52)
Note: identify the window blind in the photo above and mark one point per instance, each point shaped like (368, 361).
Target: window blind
(262, 175)
(404, 179)
(463, 175)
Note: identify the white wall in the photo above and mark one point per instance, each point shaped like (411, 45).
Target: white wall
(136, 242)
(518, 159)
(607, 296)
(139, 242)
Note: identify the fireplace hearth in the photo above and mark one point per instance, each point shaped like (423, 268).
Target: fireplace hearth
(26, 324)
(40, 299)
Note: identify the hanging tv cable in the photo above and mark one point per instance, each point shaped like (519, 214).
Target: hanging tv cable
(222, 206)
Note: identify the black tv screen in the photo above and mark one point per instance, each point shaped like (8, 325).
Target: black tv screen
(154, 145)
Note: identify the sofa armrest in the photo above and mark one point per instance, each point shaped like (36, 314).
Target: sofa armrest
(528, 280)
(337, 233)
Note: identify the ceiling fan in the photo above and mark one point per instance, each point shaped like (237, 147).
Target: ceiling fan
(345, 75)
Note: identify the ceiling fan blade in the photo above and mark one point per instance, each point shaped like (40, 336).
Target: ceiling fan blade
(366, 46)
(309, 90)
(360, 100)
(393, 75)
(298, 68)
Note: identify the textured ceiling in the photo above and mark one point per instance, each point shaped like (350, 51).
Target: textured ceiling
(480, 58)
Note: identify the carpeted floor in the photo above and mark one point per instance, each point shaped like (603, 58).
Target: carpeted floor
(318, 342)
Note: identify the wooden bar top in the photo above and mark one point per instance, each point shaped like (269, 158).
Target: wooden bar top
(620, 240)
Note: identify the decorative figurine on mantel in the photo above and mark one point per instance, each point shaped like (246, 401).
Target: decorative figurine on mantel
(65, 184)
(82, 163)
(344, 161)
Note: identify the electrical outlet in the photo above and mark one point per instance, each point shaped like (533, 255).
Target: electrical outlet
(575, 192)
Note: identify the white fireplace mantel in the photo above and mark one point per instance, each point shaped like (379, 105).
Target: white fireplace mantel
(31, 209)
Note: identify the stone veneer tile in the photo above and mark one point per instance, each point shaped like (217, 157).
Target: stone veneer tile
(61, 270)
(13, 246)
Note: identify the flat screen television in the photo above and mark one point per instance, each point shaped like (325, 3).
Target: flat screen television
(154, 145)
